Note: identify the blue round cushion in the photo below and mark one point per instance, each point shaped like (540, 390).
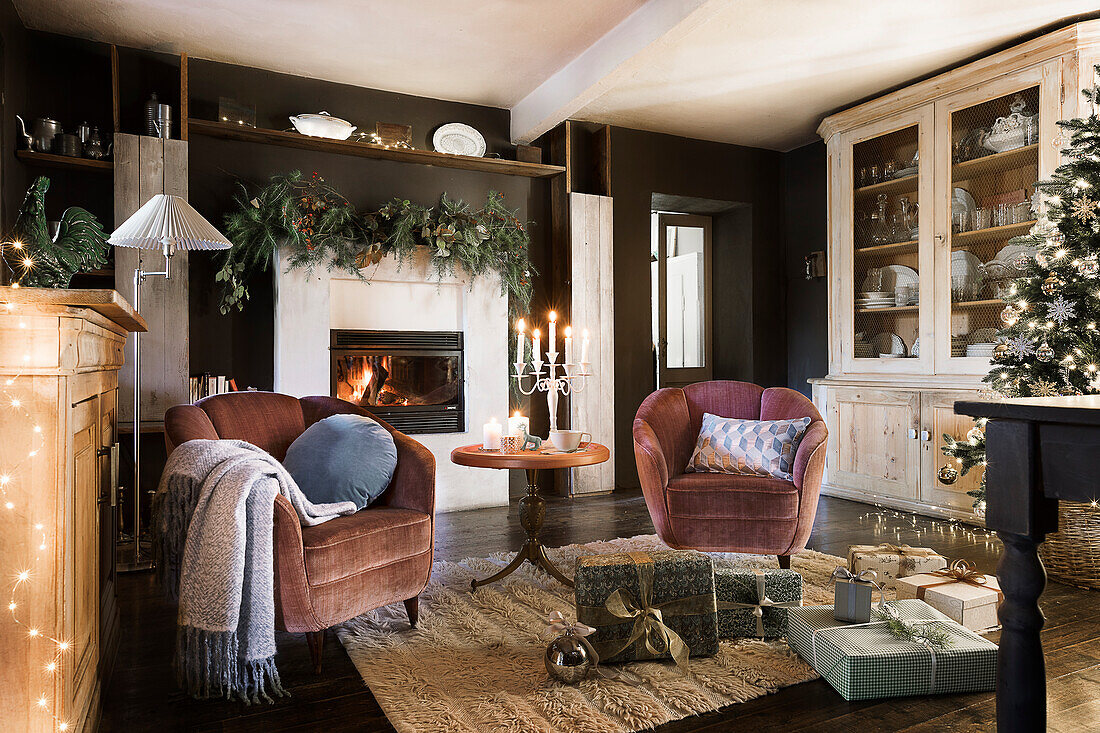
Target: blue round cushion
(343, 458)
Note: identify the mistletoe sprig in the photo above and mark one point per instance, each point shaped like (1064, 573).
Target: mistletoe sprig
(317, 226)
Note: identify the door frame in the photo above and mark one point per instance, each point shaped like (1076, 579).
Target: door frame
(667, 377)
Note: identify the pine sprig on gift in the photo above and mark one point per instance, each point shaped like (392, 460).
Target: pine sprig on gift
(929, 633)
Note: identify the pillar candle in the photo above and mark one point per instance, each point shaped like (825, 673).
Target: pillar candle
(517, 423)
(584, 348)
(491, 435)
(520, 328)
(568, 344)
(536, 346)
(553, 331)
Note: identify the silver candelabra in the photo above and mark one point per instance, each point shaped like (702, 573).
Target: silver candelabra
(569, 381)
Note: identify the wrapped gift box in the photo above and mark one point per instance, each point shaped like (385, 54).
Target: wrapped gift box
(867, 662)
(973, 604)
(618, 594)
(755, 602)
(853, 596)
(891, 562)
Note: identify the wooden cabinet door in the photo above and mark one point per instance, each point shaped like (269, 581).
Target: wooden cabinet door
(82, 610)
(938, 417)
(873, 444)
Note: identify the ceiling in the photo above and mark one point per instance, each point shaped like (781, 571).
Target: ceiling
(737, 71)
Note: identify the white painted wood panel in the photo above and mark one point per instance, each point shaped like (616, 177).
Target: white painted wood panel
(592, 307)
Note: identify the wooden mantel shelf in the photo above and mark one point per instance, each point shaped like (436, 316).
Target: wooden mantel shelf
(105, 302)
(364, 150)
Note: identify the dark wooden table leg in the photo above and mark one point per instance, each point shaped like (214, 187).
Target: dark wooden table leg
(1021, 669)
(532, 510)
(1018, 510)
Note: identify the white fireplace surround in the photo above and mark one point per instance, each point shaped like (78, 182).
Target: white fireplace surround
(406, 298)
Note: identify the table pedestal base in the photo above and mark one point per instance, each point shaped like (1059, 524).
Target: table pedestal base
(532, 510)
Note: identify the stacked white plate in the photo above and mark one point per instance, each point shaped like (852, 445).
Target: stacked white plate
(871, 299)
(981, 349)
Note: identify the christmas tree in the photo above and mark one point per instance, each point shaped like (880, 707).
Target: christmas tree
(1049, 345)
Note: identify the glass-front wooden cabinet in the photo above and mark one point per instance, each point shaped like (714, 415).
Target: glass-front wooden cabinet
(927, 186)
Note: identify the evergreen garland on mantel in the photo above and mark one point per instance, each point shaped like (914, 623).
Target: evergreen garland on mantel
(317, 226)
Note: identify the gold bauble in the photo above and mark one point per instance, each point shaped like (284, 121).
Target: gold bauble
(948, 475)
(1051, 285)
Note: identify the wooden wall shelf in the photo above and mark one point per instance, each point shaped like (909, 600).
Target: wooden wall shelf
(49, 160)
(363, 150)
(1027, 155)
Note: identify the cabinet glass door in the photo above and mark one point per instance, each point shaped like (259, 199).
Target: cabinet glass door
(992, 148)
(883, 296)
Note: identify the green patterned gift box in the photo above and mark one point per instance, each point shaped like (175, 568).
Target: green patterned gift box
(867, 662)
(648, 605)
(755, 602)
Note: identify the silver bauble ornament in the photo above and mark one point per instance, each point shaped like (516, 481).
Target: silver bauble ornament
(1042, 259)
(1058, 238)
(1008, 315)
(1044, 352)
(567, 659)
(948, 475)
(1021, 261)
(1051, 285)
(1089, 267)
(974, 434)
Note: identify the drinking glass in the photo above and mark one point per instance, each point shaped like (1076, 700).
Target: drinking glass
(983, 218)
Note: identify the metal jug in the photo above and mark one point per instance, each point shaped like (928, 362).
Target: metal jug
(43, 132)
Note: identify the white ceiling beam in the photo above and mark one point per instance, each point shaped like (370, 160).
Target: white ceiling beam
(592, 72)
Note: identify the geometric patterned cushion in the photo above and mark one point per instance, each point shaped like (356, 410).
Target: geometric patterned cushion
(755, 447)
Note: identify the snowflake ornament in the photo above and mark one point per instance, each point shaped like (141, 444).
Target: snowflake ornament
(1061, 311)
(1043, 388)
(1083, 209)
(1019, 347)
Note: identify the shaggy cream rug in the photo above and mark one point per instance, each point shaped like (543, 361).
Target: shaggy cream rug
(475, 661)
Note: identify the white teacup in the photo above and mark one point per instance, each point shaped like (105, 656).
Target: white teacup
(569, 440)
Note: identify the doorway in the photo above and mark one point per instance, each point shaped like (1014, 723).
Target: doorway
(681, 298)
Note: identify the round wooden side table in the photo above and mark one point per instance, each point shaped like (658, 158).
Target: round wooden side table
(532, 507)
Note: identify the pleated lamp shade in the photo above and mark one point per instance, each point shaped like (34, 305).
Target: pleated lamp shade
(168, 222)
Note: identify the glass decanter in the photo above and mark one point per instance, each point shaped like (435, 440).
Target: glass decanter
(879, 227)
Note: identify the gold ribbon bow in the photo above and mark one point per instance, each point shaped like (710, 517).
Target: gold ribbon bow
(762, 602)
(959, 571)
(649, 629)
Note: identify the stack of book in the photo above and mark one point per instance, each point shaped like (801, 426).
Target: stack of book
(211, 384)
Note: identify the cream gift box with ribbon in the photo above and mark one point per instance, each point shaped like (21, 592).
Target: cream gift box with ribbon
(891, 562)
(867, 662)
(960, 592)
(648, 605)
(755, 602)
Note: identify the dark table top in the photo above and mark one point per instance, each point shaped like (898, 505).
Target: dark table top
(1067, 410)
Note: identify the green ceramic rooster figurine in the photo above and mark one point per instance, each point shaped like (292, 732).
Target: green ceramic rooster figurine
(80, 244)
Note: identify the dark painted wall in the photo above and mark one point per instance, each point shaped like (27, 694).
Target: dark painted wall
(241, 344)
(805, 219)
(13, 79)
(644, 163)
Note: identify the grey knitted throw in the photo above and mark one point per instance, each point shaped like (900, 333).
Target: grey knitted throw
(213, 523)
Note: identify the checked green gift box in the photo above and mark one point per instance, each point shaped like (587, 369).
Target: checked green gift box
(648, 605)
(867, 662)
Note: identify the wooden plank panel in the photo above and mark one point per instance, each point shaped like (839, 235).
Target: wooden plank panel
(592, 409)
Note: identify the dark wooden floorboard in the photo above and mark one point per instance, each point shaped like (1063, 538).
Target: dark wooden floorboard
(142, 694)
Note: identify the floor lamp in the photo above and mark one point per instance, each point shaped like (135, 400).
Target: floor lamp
(165, 223)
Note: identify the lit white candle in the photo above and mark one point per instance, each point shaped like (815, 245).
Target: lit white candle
(536, 347)
(517, 424)
(568, 344)
(491, 435)
(520, 328)
(553, 331)
(584, 348)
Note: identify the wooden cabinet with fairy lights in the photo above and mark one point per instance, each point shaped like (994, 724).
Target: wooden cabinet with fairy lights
(927, 185)
(60, 351)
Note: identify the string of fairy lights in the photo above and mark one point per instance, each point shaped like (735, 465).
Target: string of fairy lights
(50, 649)
(899, 527)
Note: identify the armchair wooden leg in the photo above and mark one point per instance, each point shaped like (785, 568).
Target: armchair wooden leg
(316, 641)
(412, 607)
(785, 562)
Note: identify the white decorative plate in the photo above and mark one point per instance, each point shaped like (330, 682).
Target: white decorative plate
(967, 265)
(915, 351)
(458, 139)
(887, 343)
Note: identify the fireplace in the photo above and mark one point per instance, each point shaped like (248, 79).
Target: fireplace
(411, 379)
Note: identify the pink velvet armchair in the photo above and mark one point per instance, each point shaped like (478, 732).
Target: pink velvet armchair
(719, 512)
(333, 572)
